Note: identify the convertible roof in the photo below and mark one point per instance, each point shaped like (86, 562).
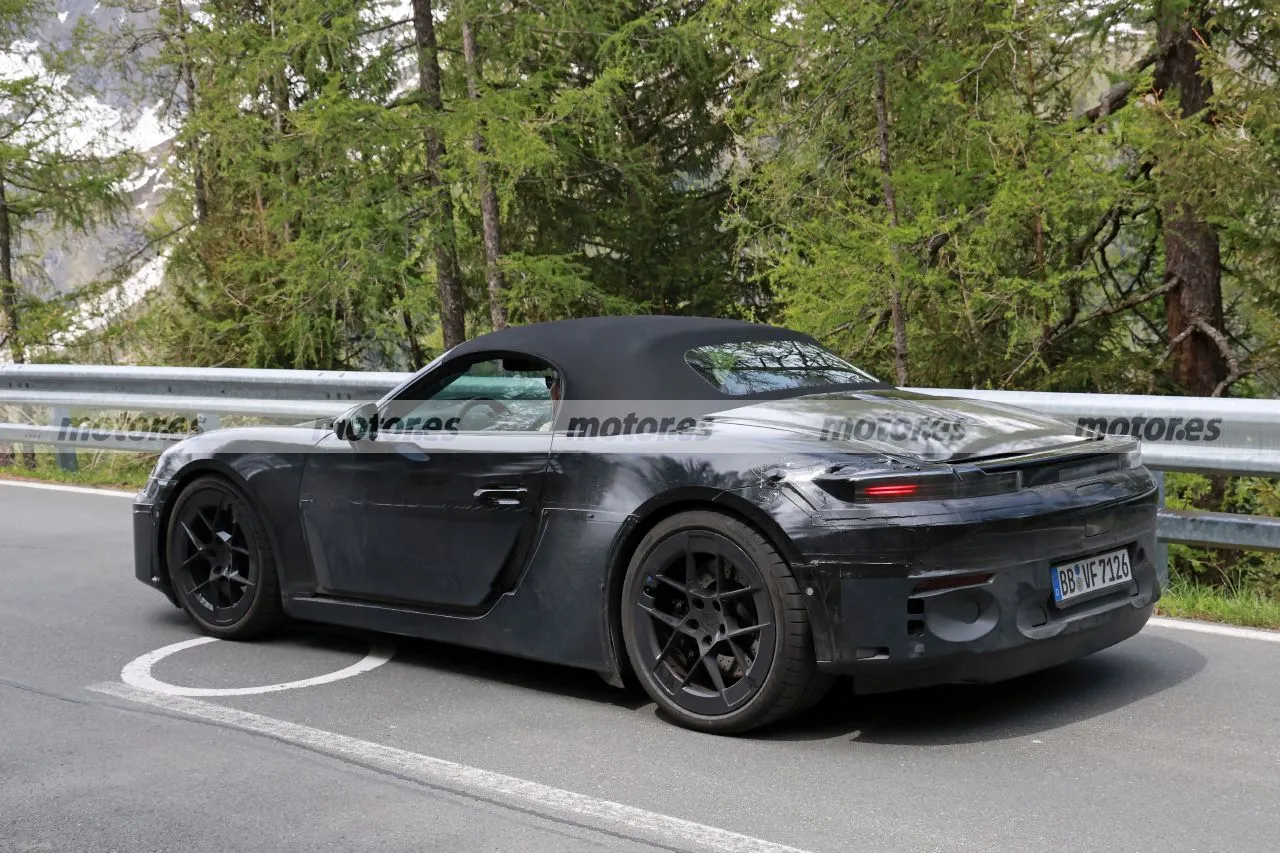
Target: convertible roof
(631, 357)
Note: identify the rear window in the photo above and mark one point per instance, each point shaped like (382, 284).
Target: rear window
(752, 367)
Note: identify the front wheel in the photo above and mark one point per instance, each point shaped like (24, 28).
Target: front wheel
(715, 626)
(220, 562)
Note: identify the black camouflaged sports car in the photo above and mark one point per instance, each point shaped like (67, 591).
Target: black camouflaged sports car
(728, 513)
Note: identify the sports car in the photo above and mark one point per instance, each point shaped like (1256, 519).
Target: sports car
(727, 514)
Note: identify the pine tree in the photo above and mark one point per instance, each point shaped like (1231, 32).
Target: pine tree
(56, 174)
(1041, 219)
(293, 211)
(628, 216)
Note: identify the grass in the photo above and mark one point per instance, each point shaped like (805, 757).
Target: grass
(1188, 600)
(107, 469)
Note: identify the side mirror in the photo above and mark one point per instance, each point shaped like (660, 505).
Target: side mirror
(358, 423)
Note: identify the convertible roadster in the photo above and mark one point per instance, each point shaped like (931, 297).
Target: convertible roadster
(727, 514)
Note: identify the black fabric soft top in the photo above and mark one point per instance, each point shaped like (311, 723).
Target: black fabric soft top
(629, 357)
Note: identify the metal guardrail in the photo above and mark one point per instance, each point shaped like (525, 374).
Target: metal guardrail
(1202, 435)
(60, 436)
(1186, 434)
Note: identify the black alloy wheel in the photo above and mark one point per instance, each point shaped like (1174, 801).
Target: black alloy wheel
(715, 626)
(220, 562)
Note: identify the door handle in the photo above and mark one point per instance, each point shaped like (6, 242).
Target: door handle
(507, 496)
(413, 453)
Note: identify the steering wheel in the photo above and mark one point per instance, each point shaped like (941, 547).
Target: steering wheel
(498, 408)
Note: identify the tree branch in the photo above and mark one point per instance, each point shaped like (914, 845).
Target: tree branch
(881, 320)
(1228, 354)
(383, 27)
(1118, 95)
(1131, 302)
(1069, 323)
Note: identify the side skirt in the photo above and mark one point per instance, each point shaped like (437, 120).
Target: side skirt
(548, 643)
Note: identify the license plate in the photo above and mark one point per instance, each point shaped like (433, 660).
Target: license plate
(1101, 571)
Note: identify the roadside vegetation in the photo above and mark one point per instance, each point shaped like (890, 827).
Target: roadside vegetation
(1187, 599)
(1046, 195)
(108, 470)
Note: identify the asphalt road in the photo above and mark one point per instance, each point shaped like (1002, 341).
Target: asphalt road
(1166, 742)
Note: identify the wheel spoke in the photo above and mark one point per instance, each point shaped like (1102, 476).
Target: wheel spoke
(198, 555)
(690, 568)
(665, 618)
(717, 677)
(212, 591)
(208, 525)
(240, 549)
(744, 630)
(237, 578)
(739, 656)
(666, 650)
(673, 583)
(736, 593)
(202, 584)
(190, 535)
(693, 668)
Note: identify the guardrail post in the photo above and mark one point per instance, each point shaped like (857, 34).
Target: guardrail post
(1162, 548)
(208, 423)
(61, 418)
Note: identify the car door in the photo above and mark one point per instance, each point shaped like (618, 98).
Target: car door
(440, 509)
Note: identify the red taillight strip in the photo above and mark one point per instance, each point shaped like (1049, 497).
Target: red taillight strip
(900, 490)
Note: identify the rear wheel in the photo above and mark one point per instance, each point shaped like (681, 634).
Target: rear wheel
(715, 626)
(220, 562)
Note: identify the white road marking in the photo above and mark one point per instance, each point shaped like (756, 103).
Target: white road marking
(138, 672)
(556, 803)
(58, 487)
(1215, 628)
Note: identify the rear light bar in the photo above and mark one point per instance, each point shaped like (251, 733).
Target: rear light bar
(1041, 470)
(931, 486)
(900, 490)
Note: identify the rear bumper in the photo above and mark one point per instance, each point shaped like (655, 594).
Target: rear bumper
(878, 623)
(1009, 657)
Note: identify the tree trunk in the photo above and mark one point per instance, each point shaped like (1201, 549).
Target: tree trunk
(8, 289)
(417, 358)
(488, 195)
(189, 84)
(11, 325)
(1192, 261)
(280, 100)
(897, 309)
(448, 276)
(8, 300)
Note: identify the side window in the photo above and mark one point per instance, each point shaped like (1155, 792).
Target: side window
(493, 395)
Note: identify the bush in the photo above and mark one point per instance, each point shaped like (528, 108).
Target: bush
(1234, 572)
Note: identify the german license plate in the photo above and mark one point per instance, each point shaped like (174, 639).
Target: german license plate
(1088, 575)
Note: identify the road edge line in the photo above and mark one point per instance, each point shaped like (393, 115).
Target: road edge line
(533, 797)
(59, 487)
(1217, 628)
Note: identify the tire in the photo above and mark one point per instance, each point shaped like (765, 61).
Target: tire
(220, 562)
(739, 610)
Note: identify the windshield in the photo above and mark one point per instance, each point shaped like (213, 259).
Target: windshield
(752, 367)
